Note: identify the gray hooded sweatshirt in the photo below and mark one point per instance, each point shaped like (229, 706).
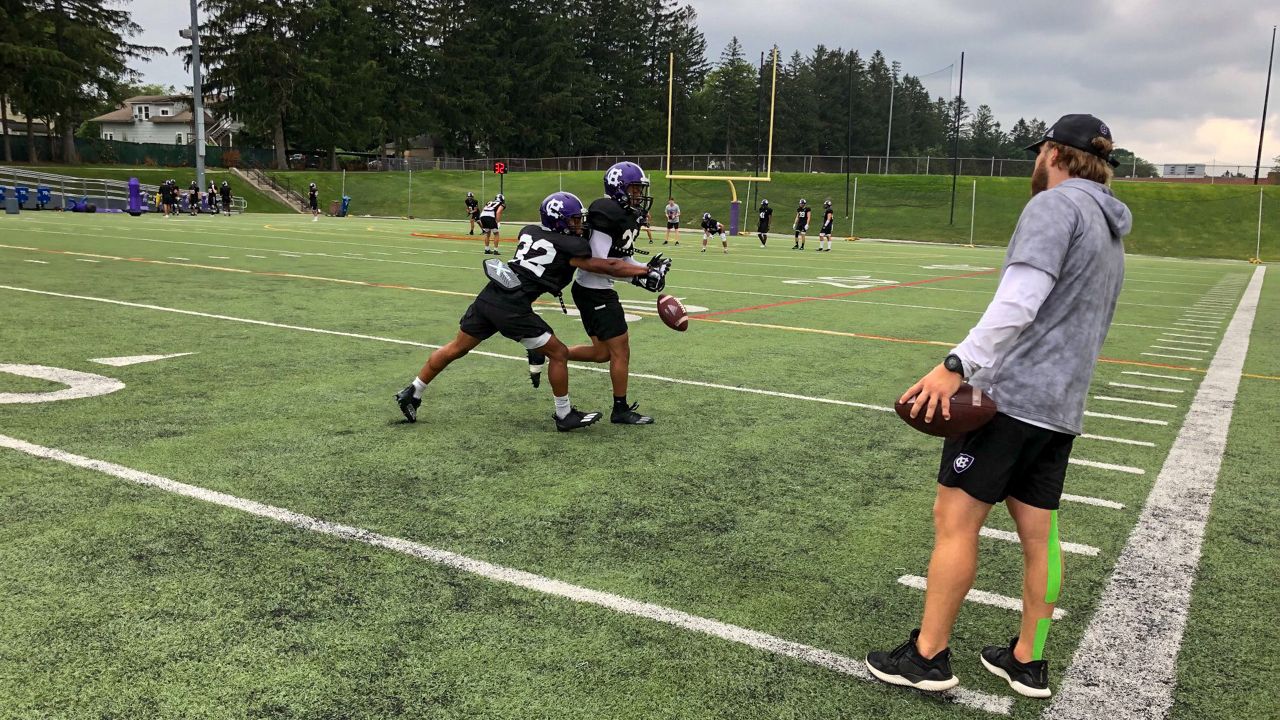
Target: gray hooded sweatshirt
(1074, 232)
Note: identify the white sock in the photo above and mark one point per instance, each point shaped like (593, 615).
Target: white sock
(535, 369)
(418, 387)
(562, 406)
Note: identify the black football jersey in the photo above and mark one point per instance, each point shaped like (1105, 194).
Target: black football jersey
(803, 211)
(313, 193)
(471, 203)
(542, 259)
(766, 212)
(621, 224)
(827, 216)
(710, 224)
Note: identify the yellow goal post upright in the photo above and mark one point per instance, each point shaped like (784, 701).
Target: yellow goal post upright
(735, 212)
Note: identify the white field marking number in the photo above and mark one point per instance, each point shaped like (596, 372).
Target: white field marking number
(856, 282)
(543, 254)
(79, 384)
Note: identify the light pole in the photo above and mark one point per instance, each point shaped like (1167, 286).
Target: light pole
(197, 91)
(889, 136)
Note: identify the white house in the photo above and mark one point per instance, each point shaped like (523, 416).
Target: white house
(163, 119)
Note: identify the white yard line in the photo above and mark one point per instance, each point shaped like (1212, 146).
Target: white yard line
(1125, 418)
(1185, 342)
(85, 260)
(1107, 466)
(1147, 403)
(1197, 334)
(1176, 357)
(38, 262)
(1122, 441)
(1007, 536)
(1126, 665)
(1097, 502)
(1145, 387)
(501, 574)
(1179, 349)
(1139, 373)
(979, 596)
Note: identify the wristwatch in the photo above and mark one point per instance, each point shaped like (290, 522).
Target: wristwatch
(954, 364)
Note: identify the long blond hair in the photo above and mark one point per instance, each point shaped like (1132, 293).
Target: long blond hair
(1081, 164)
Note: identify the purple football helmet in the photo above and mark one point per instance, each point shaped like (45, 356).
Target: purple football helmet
(622, 175)
(557, 208)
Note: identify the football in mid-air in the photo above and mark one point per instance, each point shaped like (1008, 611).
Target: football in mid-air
(673, 313)
(970, 409)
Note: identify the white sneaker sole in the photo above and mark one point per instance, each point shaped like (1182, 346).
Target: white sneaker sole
(926, 685)
(1017, 686)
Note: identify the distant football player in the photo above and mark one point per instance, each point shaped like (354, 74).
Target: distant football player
(824, 232)
(544, 260)
(711, 226)
(226, 197)
(193, 198)
(762, 225)
(644, 224)
(313, 199)
(613, 222)
(211, 197)
(803, 213)
(673, 221)
(473, 212)
(168, 198)
(491, 221)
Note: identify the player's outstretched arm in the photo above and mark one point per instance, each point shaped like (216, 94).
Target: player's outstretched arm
(613, 267)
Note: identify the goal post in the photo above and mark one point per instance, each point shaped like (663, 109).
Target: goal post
(735, 209)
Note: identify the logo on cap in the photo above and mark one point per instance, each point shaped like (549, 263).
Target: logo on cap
(963, 462)
(1049, 134)
(1102, 128)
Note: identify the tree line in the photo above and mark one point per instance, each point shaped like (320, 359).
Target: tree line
(499, 78)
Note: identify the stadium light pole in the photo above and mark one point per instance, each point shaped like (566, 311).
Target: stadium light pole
(848, 139)
(197, 90)
(955, 152)
(759, 121)
(1266, 95)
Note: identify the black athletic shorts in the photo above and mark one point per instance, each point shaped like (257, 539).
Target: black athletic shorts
(474, 214)
(673, 225)
(804, 228)
(497, 310)
(315, 203)
(488, 222)
(601, 311)
(826, 229)
(1008, 458)
(762, 227)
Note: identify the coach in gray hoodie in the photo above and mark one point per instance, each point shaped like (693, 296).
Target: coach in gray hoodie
(1034, 351)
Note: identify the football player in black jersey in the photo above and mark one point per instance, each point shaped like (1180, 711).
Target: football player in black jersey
(762, 227)
(711, 226)
(490, 220)
(803, 213)
(544, 261)
(313, 199)
(225, 191)
(828, 221)
(193, 198)
(473, 212)
(613, 224)
(211, 197)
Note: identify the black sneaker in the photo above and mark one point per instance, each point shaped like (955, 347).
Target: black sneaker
(408, 403)
(795, 247)
(575, 419)
(629, 416)
(536, 362)
(1030, 679)
(904, 666)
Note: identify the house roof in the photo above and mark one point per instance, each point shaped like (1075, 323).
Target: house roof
(121, 115)
(184, 117)
(155, 99)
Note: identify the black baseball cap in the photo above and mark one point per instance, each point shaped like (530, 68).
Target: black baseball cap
(1077, 131)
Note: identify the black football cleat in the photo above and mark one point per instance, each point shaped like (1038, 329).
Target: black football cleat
(1030, 679)
(905, 666)
(408, 404)
(575, 419)
(629, 416)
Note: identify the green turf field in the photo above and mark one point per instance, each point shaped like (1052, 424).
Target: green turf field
(776, 492)
(257, 202)
(1176, 220)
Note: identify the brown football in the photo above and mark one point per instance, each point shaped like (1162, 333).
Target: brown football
(673, 313)
(970, 409)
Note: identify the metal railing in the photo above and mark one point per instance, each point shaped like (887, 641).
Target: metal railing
(279, 184)
(105, 194)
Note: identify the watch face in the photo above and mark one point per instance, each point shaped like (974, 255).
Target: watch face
(953, 363)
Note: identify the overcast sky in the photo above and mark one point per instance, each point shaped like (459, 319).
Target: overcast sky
(1178, 81)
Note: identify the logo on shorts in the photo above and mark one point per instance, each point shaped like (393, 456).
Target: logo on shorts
(963, 462)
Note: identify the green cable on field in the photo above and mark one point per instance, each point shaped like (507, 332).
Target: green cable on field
(1053, 586)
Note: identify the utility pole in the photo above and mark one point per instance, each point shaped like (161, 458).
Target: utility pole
(889, 136)
(955, 153)
(197, 91)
